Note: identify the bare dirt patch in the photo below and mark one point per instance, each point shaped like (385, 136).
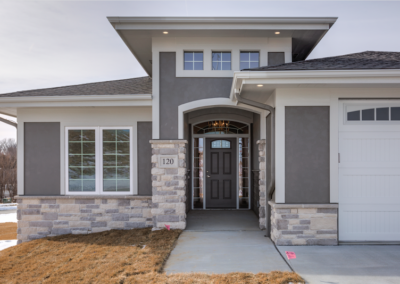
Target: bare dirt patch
(117, 256)
(8, 231)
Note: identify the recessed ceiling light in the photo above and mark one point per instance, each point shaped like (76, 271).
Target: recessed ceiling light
(260, 85)
(277, 33)
(165, 32)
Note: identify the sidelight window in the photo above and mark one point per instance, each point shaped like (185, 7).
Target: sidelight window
(99, 160)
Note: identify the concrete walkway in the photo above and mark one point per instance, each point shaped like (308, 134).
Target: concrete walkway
(347, 264)
(221, 242)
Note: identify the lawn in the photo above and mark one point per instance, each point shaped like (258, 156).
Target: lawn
(117, 256)
(8, 231)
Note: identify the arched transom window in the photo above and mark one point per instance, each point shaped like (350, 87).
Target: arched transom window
(221, 127)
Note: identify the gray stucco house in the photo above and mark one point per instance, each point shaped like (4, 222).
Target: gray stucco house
(231, 116)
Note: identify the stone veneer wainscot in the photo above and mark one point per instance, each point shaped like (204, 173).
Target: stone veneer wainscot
(304, 224)
(262, 184)
(40, 217)
(169, 185)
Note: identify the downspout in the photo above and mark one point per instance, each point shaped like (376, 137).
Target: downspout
(271, 187)
(9, 122)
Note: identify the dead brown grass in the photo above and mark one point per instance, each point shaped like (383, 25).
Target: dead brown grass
(8, 231)
(134, 256)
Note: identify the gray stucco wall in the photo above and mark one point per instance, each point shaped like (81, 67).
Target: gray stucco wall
(144, 153)
(276, 58)
(176, 91)
(42, 158)
(307, 154)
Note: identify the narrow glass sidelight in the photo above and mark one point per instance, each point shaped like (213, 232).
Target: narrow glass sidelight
(198, 173)
(82, 160)
(116, 160)
(244, 185)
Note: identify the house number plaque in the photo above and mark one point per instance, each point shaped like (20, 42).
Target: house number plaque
(170, 161)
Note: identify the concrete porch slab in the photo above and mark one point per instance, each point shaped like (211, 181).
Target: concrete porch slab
(222, 242)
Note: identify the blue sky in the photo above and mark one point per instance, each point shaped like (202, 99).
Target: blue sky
(52, 43)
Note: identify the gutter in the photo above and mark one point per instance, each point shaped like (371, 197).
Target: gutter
(271, 187)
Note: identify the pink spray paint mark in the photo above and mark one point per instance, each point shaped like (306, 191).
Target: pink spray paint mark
(290, 254)
(167, 226)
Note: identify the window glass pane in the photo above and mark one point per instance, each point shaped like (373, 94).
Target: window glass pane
(188, 65)
(226, 56)
(198, 66)
(226, 66)
(198, 173)
(244, 65)
(253, 64)
(116, 162)
(244, 56)
(81, 160)
(254, 56)
(220, 144)
(243, 173)
(395, 113)
(368, 114)
(216, 66)
(198, 56)
(353, 115)
(382, 113)
(216, 56)
(188, 56)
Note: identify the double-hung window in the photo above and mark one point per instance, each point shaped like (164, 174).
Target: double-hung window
(99, 160)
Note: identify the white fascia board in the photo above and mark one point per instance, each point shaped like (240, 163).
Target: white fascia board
(77, 101)
(300, 77)
(213, 21)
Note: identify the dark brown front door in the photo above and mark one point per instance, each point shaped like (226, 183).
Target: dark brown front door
(221, 173)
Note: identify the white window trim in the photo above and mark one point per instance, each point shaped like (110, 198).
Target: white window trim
(99, 161)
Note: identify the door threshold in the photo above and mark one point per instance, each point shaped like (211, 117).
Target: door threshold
(221, 209)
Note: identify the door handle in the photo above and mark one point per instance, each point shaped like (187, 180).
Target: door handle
(208, 176)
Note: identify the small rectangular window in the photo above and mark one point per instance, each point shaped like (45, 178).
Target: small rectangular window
(193, 60)
(353, 115)
(382, 113)
(221, 61)
(81, 160)
(249, 59)
(395, 113)
(368, 114)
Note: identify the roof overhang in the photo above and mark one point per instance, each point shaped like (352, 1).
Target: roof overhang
(137, 32)
(9, 105)
(245, 82)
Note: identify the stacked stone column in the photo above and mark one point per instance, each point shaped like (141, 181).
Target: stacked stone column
(262, 184)
(169, 185)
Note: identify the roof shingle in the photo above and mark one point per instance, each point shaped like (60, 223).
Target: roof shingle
(354, 61)
(141, 85)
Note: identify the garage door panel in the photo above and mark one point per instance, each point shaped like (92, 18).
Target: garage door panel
(369, 181)
(369, 185)
(359, 148)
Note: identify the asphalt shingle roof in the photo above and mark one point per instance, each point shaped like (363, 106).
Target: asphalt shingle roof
(354, 61)
(141, 85)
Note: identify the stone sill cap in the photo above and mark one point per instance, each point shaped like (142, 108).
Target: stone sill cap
(168, 141)
(294, 206)
(82, 197)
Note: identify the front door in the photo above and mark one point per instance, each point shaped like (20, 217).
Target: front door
(221, 173)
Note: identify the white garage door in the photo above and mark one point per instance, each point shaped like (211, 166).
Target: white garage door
(369, 171)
